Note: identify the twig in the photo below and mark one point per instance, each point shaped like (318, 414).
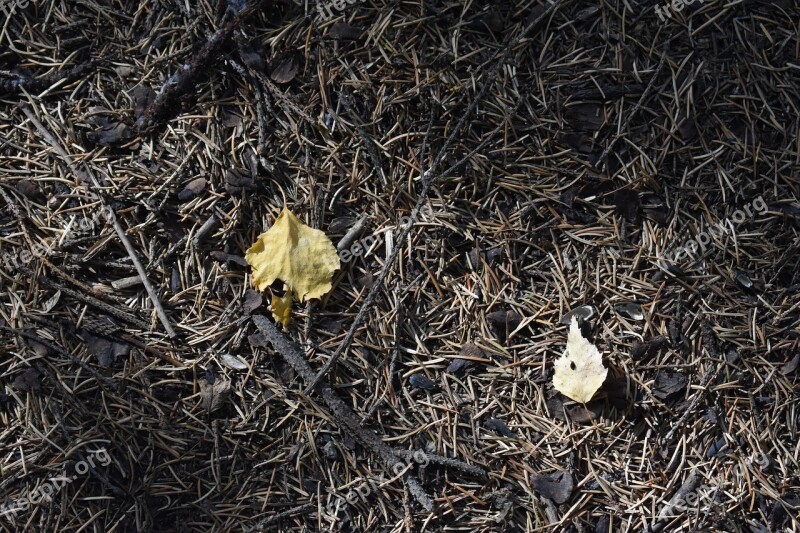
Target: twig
(690, 485)
(208, 227)
(36, 85)
(110, 215)
(710, 345)
(44, 342)
(369, 144)
(352, 233)
(180, 83)
(636, 108)
(280, 516)
(344, 416)
(427, 181)
(89, 300)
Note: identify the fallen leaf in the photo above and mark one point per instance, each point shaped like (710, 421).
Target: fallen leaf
(216, 394)
(142, 98)
(258, 340)
(303, 258)
(648, 347)
(580, 371)
(340, 225)
(112, 133)
(29, 189)
(584, 312)
(587, 13)
(632, 311)
(252, 58)
(742, 280)
(238, 181)
(331, 326)
(458, 366)
(123, 71)
(578, 414)
(578, 141)
(469, 353)
(40, 349)
(282, 308)
(585, 117)
(557, 487)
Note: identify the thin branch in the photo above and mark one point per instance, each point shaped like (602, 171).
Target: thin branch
(109, 214)
(427, 181)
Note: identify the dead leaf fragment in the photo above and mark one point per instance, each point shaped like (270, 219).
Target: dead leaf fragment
(344, 31)
(252, 301)
(557, 487)
(628, 205)
(792, 365)
(192, 190)
(303, 258)
(584, 312)
(215, 395)
(499, 427)
(239, 181)
(29, 189)
(285, 68)
(668, 383)
(580, 371)
(233, 362)
(222, 257)
(27, 381)
(504, 319)
(112, 133)
(106, 351)
(282, 308)
(575, 413)
(421, 381)
(142, 98)
(38, 348)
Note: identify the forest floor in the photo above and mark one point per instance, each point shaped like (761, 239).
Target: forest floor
(485, 168)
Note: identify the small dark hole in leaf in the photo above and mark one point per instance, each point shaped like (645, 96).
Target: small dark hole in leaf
(572, 365)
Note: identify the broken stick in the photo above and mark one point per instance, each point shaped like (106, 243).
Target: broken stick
(348, 421)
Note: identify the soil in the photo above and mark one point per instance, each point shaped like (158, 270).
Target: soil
(487, 171)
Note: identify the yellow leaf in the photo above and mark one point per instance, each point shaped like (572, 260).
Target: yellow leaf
(580, 371)
(282, 308)
(303, 258)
